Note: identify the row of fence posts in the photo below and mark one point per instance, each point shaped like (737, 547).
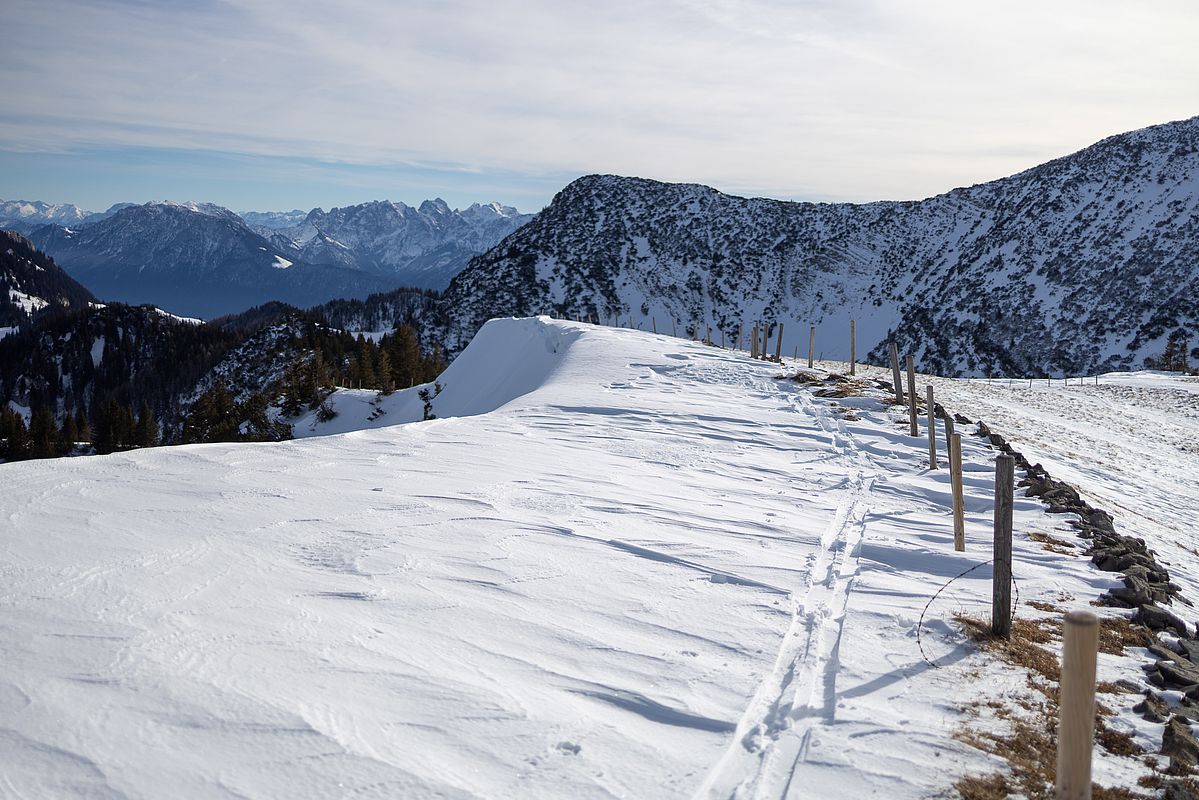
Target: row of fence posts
(759, 352)
(759, 338)
(1080, 635)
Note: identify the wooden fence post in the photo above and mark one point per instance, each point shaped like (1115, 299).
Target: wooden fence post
(1076, 720)
(853, 356)
(708, 334)
(894, 348)
(913, 425)
(778, 345)
(753, 353)
(932, 429)
(655, 320)
(673, 330)
(811, 345)
(955, 482)
(1001, 584)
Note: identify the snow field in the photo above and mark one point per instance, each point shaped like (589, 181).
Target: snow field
(617, 565)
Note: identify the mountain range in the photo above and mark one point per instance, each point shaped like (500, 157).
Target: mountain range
(203, 260)
(1088, 262)
(1085, 263)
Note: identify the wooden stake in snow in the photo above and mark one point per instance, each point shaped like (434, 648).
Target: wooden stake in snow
(1001, 584)
(778, 345)
(894, 348)
(753, 353)
(1076, 723)
(673, 328)
(913, 425)
(955, 482)
(853, 356)
(811, 345)
(932, 429)
(655, 321)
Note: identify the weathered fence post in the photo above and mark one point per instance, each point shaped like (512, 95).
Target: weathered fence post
(708, 334)
(753, 353)
(673, 328)
(1001, 584)
(894, 348)
(655, 320)
(932, 429)
(1076, 720)
(811, 345)
(778, 345)
(913, 425)
(853, 356)
(955, 483)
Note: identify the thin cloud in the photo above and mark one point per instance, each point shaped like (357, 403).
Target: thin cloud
(820, 99)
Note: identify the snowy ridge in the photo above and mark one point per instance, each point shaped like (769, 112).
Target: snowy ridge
(617, 564)
(1083, 264)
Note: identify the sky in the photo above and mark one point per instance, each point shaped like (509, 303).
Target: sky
(281, 104)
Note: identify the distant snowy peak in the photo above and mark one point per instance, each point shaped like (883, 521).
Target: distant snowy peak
(273, 219)
(195, 259)
(423, 246)
(25, 215)
(1085, 262)
(39, 212)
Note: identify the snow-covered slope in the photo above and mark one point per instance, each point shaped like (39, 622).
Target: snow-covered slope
(617, 565)
(1087, 261)
(31, 284)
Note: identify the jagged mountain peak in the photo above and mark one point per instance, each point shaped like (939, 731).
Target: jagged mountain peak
(422, 247)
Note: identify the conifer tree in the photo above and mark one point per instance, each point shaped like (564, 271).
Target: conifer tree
(14, 437)
(43, 434)
(146, 433)
(386, 379)
(83, 431)
(68, 434)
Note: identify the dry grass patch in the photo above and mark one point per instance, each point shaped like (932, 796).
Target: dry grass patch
(1029, 743)
(1117, 633)
(1053, 544)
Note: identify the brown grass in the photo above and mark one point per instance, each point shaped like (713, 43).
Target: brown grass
(1117, 633)
(1109, 687)
(1053, 544)
(1041, 605)
(1029, 745)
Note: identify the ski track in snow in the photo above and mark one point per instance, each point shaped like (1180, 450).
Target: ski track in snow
(618, 565)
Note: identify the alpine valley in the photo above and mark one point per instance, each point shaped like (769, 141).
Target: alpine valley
(202, 260)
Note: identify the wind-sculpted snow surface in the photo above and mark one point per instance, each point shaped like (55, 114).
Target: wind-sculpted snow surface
(617, 565)
(1086, 261)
